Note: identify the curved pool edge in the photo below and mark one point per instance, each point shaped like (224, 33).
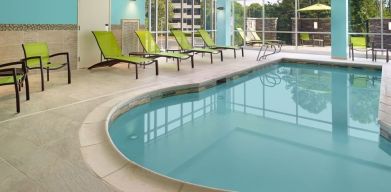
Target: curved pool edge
(109, 164)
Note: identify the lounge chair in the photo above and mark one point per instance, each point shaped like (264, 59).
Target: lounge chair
(15, 73)
(256, 37)
(112, 53)
(212, 45)
(152, 50)
(186, 47)
(359, 44)
(37, 57)
(247, 39)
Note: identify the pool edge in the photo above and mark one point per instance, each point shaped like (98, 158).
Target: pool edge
(119, 105)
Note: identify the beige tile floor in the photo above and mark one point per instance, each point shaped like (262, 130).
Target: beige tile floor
(40, 148)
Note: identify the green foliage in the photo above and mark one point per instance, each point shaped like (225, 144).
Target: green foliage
(161, 13)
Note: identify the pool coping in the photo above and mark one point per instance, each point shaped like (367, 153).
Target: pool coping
(110, 165)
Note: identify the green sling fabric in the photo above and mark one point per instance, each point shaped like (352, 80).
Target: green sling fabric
(207, 39)
(358, 42)
(210, 43)
(39, 49)
(111, 50)
(305, 37)
(150, 46)
(148, 42)
(9, 79)
(185, 45)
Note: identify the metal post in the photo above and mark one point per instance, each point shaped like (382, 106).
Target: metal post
(244, 23)
(192, 22)
(181, 15)
(156, 20)
(381, 24)
(263, 21)
(167, 19)
(296, 24)
(150, 15)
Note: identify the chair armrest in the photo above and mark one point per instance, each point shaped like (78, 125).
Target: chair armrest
(21, 63)
(29, 58)
(8, 72)
(58, 54)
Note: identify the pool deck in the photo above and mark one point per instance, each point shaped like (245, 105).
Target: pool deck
(58, 141)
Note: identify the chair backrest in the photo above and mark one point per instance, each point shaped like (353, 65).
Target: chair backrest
(181, 39)
(147, 41)
(360, 41)
(207, 39)
(305, 36)
(36, 49)
(256, 36)
(241, 33)
(107, 43)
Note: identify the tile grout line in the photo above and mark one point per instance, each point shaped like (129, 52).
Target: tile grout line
(23, 173)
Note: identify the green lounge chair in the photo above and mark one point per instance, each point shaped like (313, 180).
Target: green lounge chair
(359, 44)
(247, 39)
(212, 45)
(256, 37)
(112, 53)
(37, 57)
(15, 73)
(152, 50)
(186, 47)
(304, 37)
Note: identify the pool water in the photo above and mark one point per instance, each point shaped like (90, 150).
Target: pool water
(288, 127)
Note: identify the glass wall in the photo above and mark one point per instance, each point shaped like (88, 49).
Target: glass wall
(185, 15)
(370, 20)
(283, 20)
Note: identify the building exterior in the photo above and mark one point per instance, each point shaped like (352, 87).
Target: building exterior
(183, 12)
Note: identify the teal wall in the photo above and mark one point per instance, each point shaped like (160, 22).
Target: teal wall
(339, 25)
(125, 9)
(38, 12)
(223, 23)
(63, 11)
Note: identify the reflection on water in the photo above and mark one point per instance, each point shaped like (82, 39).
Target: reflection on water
(275, 124)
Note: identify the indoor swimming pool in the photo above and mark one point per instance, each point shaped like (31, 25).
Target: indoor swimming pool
(286, 127)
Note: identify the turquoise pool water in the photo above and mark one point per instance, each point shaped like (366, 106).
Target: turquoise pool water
(287, 127)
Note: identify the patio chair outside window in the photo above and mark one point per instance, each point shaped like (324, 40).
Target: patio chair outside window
(15, 73)
(305, 37)
(358, 43)
(37, 57)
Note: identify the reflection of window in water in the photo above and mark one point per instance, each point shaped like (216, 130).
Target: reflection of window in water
(163, 120)
(364, 93)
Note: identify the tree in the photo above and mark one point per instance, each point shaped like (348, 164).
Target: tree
(161, 13)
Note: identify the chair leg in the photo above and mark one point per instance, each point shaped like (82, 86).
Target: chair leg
(242, 52)
(42, 80)
(69, 71)
(157, 67)
(221, 55)
(47, 74)
(177, 63)
(192, 61)
(27, 88)
(211, 58)
(136, 71)
(17, 96)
